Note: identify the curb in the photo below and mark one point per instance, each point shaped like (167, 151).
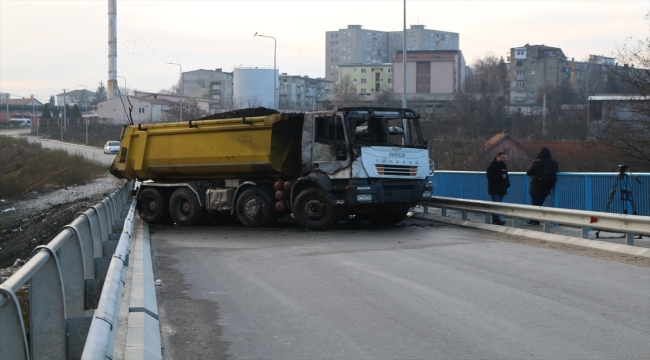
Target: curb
(143, 328)
(531, 234)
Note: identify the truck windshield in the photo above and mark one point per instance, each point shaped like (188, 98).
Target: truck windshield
(380, 131)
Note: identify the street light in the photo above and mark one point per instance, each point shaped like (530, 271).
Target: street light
(86, 105)
(181, 89)
(275, 46)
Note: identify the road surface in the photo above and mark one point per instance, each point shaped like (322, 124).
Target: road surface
(407, 292)
(89, 152)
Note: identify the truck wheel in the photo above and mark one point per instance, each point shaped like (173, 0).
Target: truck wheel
(185, 209)
(152, 206)
(386, 217)
(250, 213)
(313, 210)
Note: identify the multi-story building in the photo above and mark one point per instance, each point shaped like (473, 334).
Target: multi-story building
(589, 77)
(429, 72)
(532, 68)
(78, 97)
(368, 78)
(302, 92)
(355, 45)
(145, 110)
(216, 86)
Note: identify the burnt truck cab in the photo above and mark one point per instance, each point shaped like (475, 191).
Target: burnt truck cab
(373, 162)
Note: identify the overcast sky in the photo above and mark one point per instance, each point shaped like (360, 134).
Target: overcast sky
(46, 46)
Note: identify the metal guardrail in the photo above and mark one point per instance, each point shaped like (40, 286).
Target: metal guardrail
(64, 279)
(574, 190)
(628, 224)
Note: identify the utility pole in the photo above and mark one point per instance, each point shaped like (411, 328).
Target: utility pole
(405, 123)
(86, 105)
(34, 116)
(63, 119)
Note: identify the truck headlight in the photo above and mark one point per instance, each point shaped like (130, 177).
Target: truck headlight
(364, 197)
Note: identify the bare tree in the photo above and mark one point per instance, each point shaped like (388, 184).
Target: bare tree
(191, 111)
(625, 123)
(346, 93)
(386, 98)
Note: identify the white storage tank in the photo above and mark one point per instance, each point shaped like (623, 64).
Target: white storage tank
(253, 87)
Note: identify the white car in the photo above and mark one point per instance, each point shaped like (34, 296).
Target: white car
(112, 147)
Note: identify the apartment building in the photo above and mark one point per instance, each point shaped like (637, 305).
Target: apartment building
(355, 45)
(531, 68)
(216, 86)
(368, 78)
(590, 77)
(302, 92)
(429, 72)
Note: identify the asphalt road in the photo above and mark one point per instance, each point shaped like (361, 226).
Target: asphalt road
(91, 153)
(407, 292)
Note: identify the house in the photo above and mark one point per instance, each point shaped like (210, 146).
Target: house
(76, 97)
(203, 104)
(144, 111)
(572, 156)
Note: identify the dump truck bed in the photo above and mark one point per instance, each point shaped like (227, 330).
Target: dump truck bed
(255, 147)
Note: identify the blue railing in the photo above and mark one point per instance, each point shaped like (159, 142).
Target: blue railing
(580, 191)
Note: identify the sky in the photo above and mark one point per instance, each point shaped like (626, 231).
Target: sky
(50, 45)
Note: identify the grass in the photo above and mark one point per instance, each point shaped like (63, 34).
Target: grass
(27, 166)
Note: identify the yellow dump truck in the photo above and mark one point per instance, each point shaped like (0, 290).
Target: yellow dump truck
(369, 163)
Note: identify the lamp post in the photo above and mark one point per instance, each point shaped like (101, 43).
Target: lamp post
(275, 46)
(120, 93)
(86, 106)
(181, 89)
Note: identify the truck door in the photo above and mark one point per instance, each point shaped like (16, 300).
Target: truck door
(330, 150)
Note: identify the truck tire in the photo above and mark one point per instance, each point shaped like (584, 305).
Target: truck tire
(313, 209)
(387, 217)
(250, 214)
(185, 209)
(153, 206)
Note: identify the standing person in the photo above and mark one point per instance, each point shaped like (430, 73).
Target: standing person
(542, 174)
(498, 182)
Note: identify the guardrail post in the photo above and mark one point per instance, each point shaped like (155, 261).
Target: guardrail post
(547, 226)
(630, 238)
(464, 214)
(443, 211)
(585, 232)
(515, 222)
(426, 209)
(487, 218)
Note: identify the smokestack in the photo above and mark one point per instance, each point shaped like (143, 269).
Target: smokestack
(112, 49)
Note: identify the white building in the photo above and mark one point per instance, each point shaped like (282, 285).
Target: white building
(145, 110)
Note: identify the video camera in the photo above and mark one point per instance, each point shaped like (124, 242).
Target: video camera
(622, 169)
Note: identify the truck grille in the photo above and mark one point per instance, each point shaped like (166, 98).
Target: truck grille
(403, 170)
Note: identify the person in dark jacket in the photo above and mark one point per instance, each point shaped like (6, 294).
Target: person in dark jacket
(498, 182)
(537, 191)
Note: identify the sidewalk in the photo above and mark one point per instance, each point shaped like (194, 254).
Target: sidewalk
(617, 238)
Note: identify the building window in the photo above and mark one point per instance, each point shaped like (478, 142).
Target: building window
(363, 71)
(363, 81)
(531, 93)
(140, 110)
(532, 72)
(520, 84)
(520, 63)
(390, 81)
(520, 52)
(390, 70)
(520, 73)
(363, 91)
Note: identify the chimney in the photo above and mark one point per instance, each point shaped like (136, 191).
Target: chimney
(112, 50)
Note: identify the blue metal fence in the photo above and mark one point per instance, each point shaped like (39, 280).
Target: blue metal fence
(580, 191)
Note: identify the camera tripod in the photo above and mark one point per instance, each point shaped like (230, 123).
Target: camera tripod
(622, 183)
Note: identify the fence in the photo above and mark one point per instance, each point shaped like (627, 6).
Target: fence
(578, 191)
(64, 279)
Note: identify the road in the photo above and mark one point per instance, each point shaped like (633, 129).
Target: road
(408, 292)
(89, 152)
